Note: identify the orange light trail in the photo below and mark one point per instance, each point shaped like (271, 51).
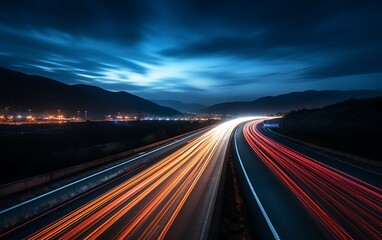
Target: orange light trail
(146, 205)
(344, 206)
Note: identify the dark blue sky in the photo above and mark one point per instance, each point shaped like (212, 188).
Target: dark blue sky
(197, 51)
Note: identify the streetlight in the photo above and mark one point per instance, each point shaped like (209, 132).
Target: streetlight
(78, 115)
(86, 115)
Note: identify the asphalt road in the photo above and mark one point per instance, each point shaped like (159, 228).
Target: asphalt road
(15, 208)
(172, 198)
(300, 193)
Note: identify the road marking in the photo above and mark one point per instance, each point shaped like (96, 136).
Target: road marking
(95, 174)
(270, 225)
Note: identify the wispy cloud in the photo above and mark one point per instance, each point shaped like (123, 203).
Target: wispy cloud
(195, 50)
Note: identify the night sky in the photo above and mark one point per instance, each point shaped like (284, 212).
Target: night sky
(197, 51)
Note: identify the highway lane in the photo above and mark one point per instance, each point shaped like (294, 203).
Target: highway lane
(307, 196)
(26, 205)
(172, 198)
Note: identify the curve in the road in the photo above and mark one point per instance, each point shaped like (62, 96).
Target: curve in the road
(263, 211)
(344, 206)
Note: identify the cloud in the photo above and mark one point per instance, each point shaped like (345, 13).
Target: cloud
(363, 62)
(227, 78)
(310, 32)
(120, 22)
(204, 48)
(26, 51)
(176, 85)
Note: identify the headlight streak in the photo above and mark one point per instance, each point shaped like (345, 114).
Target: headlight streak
(146, 205)
(346, 207)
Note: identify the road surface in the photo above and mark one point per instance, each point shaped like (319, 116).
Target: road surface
(299, 193)
(173, 198)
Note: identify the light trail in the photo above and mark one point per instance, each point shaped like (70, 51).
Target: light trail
(146, 205)
(344, 206)
(140, 155)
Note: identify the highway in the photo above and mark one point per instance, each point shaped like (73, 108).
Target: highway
(172, 198)
(300, 193)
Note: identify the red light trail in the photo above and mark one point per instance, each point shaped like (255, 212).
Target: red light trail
(344, 206)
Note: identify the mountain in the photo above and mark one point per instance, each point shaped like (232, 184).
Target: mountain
(20, 92)
(180, 106)
(290, 101)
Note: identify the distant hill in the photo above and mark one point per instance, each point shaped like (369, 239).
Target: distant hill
(20, 92)
(291, 101)
(180, 106)
(352, 126)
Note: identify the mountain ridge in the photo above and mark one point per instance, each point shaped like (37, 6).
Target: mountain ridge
(21, 91)
(290, 101)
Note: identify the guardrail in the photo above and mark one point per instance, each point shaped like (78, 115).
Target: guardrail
(364, 160)
(28, 183)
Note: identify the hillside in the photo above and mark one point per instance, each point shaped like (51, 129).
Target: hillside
(20, 92)
(290, 101)
(352, 126)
